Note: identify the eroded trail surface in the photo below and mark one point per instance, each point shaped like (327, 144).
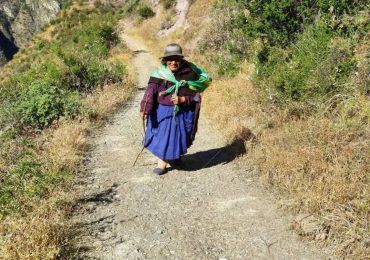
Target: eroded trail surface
(210, 209)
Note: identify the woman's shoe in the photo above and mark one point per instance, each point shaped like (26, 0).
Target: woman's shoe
(159, 171)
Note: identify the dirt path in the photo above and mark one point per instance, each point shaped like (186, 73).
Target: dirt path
(182, 8)
(213, 209)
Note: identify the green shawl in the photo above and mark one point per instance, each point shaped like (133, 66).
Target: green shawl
(203, 81)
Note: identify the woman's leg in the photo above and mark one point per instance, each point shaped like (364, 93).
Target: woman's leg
(161, 168)
(162, 164)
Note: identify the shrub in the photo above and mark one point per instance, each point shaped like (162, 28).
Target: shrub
(116, 71)
(16, 182)
(36, 165)
(42, 103)
(85, 71)
(227, 64)
(290, 76)
(303, 52)
(76, 61)
(145, 12)
(130, 5)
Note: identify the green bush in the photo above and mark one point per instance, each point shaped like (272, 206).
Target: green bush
(145, 12)
(90, 44)
(94, 32)
(16, 182)
(291, 75)
(85, 71)
(303, 51)
(316, 67)
(46, 81)
(116, 71)
(42, 103)
(281, 21)
(44, 89)
(227, 64)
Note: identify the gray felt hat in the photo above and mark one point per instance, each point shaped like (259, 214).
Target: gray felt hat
(172, 49)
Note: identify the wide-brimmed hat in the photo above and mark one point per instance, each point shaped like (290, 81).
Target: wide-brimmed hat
(172, 49)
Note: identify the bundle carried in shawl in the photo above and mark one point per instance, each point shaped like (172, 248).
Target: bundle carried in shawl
(203, 81)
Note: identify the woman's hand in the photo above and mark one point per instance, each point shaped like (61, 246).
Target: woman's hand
(143, 115)
(178, 100)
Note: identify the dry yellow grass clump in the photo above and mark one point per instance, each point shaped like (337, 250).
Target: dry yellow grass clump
(325, 169)
(44, 234)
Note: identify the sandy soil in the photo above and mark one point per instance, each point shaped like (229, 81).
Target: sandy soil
(213, 208)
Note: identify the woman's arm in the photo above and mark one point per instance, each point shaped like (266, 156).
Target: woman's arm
(149, 99)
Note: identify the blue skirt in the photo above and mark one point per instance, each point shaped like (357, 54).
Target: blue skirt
(167, 135)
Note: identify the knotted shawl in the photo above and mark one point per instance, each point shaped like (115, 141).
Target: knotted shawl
(203, 81)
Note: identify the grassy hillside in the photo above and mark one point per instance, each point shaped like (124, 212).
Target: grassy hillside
(68, 78)
(306, 100)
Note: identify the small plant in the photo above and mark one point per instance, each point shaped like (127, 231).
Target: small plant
(98, 4)
(167, 4)
(116, 71)
(42, 103)
(145, 12)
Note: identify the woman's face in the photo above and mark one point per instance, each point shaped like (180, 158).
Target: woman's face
(173, 62)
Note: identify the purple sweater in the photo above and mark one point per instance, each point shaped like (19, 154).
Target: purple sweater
(155, 86)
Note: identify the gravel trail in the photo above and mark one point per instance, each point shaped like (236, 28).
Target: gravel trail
(212, 209)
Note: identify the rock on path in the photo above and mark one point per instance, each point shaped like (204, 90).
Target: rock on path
(213, 209)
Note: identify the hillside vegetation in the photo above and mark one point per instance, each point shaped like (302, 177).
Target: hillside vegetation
(20, 20)
(65, 80)
(307, 101)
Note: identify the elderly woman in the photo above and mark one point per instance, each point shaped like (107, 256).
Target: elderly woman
(171, 106)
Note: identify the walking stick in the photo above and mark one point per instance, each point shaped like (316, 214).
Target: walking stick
(142, 149)
(144, 141)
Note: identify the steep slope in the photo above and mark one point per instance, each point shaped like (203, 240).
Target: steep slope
(20, 20)
(79, 66)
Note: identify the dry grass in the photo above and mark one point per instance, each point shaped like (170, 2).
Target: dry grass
(44, 234)
(324, 169)
(67, 144)
(108, 99)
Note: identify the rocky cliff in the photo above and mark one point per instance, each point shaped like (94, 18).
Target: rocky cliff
(20, 20)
